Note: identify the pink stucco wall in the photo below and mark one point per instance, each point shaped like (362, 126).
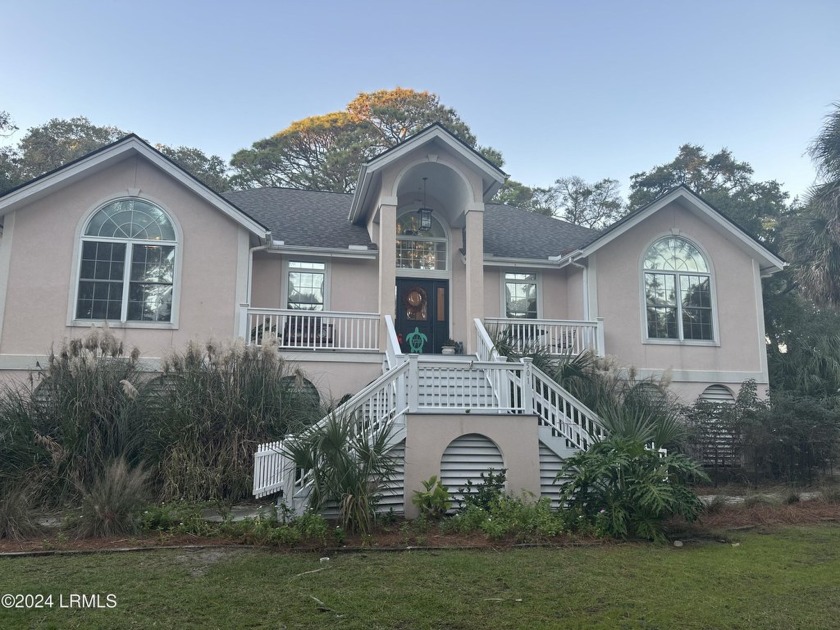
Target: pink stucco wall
(739, 353)
(42, 266)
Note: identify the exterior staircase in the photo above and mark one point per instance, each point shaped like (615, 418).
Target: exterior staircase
(484, 383)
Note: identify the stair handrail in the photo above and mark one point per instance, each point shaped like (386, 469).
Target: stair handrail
(556, 408)
(485, 348)
(393, 353)
(389, 390)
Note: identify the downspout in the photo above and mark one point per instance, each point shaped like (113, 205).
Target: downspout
(258, 248)
(585, 287)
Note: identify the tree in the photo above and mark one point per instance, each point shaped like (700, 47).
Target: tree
(721, 180)
(325, 152)
(590, 205)
(210, 170)
(316, 153)
(60, 141)
(7, 127)
(812, 242)
(534, 199)
(8, 178)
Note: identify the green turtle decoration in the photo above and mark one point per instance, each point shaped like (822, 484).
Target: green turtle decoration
(416, 341)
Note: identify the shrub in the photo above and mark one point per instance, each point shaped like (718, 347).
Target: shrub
(521, 519)
(485, 492)
(348, 463)
(81, 415)
(433, 501)
(112, 504)
(17, 518)
(625, 490)
(211, 408)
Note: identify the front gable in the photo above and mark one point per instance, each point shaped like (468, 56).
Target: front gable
(452, 170)
(684, 199)
(129, 147)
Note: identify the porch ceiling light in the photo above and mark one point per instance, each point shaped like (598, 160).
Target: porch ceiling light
(424, 212)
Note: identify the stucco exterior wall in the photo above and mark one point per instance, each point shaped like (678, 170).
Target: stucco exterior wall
(574, 293)
(553, 287)
(43, 264)
(428, 435)
(336, 374)
(352, 284)
(738, 352)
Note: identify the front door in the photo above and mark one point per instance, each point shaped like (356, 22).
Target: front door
(422, 315)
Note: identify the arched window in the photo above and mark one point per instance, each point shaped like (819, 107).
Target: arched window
(678, 294)
(419, 249)
(127, 266)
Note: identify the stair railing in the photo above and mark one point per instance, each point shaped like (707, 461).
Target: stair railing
(381, 403)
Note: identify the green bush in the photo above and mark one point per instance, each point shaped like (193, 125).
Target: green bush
(482, 494)
(433, 501)
(507, 517)
(623, 490)
(81, 414)
(210, 410)
(348, 463)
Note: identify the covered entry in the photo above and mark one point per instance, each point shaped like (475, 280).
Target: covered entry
(422, 321)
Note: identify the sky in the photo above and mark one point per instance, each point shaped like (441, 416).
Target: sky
(588, 88)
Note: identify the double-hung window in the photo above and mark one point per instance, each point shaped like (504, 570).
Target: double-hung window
(127, 264)
(521, 295)
(305, 286)
(678, 294)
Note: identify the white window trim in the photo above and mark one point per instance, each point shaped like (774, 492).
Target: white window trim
(715, 340)
(284, 288)
(76, 267)
(442, 274)
(537, 280)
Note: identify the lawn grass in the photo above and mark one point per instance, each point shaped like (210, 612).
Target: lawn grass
(785, 579)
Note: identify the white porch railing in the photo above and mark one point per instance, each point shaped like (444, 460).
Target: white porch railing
(380, 403)
(393, 353)
(310, 330)
(554, 336)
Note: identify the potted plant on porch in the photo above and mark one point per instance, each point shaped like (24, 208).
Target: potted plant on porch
(449, 347)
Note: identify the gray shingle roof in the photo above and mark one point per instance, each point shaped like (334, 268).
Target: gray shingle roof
(319, 219)
(511, 232)
(302, 217)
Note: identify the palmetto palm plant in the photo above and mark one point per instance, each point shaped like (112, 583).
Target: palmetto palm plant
(349, 464)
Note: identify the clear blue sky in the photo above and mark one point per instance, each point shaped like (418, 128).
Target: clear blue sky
(588, 88)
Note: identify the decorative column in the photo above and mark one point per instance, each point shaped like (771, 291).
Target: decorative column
(387, 268)
(474, 298)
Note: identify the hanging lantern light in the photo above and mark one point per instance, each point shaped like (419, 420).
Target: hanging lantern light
(424, 212)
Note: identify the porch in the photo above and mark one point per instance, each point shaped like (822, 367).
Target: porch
(359, 332)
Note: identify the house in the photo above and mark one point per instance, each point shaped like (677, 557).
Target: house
(363, 290)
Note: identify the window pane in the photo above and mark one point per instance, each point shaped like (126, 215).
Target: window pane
(521, 295)
(101, 281)
(429, 255)
(661, 301)
(409, 225)
(153, 263)
(697, 307)
(131, 219)
(306, 290)
(675, 254)
(148, 302)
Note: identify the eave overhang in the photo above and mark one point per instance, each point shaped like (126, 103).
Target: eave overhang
(128, 147)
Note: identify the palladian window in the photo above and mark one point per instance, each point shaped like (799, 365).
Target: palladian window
(678, 295)
(127, 265)
(419, 249)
